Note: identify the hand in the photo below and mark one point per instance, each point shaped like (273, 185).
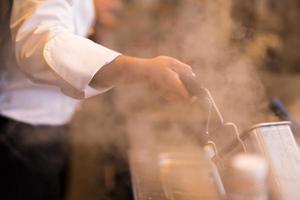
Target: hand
(162, 72)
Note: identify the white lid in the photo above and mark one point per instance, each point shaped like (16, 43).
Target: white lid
(249, 166)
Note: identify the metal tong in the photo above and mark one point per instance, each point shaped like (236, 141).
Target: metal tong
(196, 90)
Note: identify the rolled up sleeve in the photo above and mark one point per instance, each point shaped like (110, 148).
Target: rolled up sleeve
(49, 51)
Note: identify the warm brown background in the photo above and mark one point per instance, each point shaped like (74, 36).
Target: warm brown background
(265, 31)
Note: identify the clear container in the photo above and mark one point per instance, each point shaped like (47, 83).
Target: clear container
(187, 176)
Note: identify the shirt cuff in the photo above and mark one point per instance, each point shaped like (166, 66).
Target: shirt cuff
(76, 60)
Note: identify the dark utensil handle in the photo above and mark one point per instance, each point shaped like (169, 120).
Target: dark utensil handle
(191, 84)
(282, 112)
(279, 109)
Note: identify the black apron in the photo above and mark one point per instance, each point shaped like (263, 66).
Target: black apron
(33, 161)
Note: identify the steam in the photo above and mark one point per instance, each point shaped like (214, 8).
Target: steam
(201, 34)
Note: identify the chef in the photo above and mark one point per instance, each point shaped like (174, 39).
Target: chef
(48, 67)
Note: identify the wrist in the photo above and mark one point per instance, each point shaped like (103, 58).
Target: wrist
(122, 70)
(127, 69)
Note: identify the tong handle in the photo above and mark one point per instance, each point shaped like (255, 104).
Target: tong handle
(191, 84)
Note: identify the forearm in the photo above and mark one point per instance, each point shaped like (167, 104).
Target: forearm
(122, 70)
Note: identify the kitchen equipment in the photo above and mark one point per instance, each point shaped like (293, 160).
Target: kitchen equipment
(246, 177)
(145, 178)
(160, 175)
(276, 143)
(282, 112)
(187, 175)
(219, 132)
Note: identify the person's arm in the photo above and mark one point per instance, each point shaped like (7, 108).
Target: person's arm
(48, 50)
(161, 71)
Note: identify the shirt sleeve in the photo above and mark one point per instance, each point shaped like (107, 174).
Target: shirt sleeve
(48, 50)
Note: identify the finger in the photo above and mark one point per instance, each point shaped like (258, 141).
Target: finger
(182, 68)
(175, 86)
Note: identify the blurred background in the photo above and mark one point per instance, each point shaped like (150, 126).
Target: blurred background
(245, 52)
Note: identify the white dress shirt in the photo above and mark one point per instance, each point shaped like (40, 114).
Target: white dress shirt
(55, 63)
